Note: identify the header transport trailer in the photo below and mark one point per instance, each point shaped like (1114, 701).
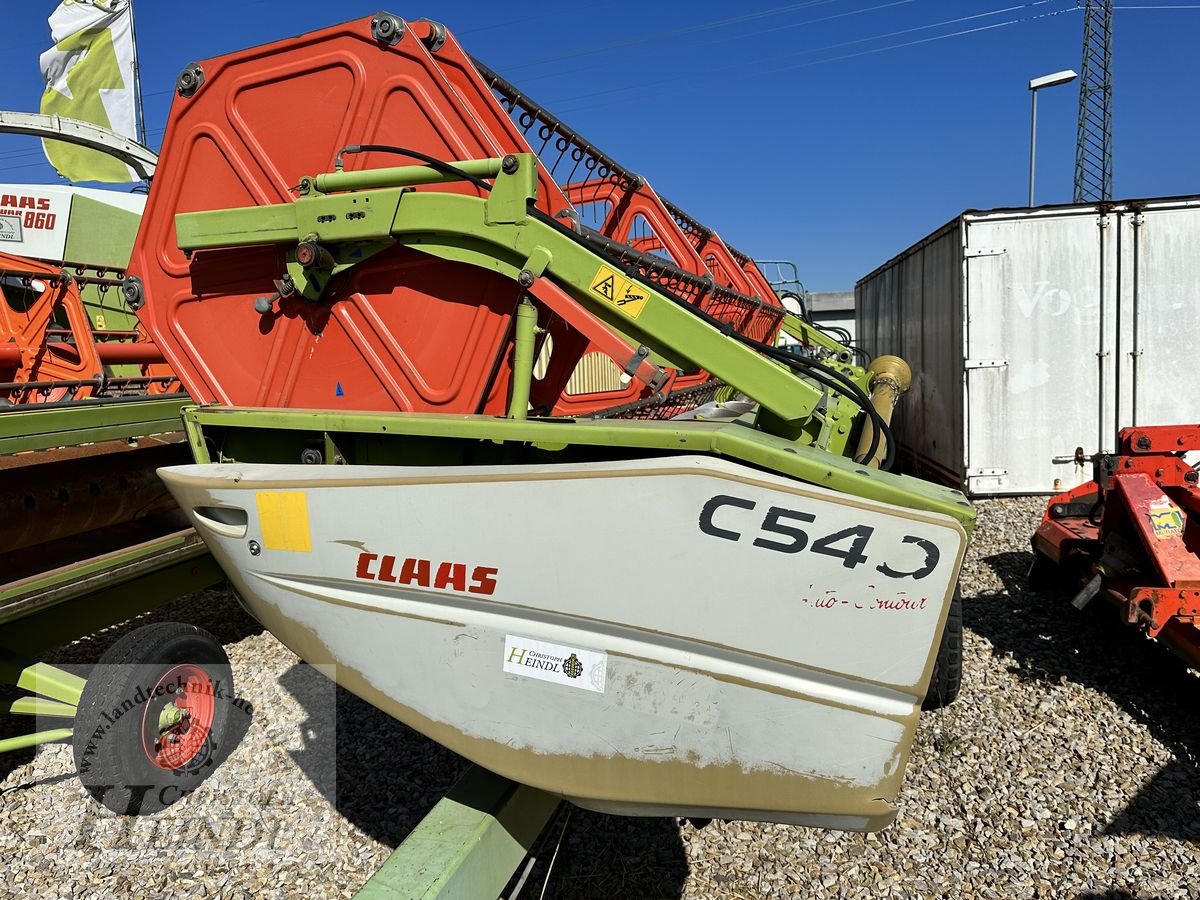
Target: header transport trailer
(698, 592)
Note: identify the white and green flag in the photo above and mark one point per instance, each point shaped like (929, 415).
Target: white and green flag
(90, 75)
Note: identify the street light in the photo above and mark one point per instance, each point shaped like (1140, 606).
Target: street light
(1064, 77)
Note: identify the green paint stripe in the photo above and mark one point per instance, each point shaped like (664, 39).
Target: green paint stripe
(731, 440)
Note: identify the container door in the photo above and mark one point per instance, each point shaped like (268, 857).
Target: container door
(1160, 331)
(1039, 367)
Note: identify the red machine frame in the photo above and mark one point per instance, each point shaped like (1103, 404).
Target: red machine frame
(49, 351)
(1134, 534)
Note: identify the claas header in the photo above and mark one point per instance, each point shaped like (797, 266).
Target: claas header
(419, 313)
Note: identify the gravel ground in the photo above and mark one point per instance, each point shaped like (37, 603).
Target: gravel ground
(1066, 769)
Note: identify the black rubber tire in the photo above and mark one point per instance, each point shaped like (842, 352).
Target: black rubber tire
(110, 758)
(948, 667)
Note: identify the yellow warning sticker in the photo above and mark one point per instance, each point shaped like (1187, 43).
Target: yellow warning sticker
(283, 518)
(614, 288)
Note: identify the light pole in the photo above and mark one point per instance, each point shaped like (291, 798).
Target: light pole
(1064, 77)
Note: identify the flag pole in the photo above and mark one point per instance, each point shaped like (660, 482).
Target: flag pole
(137, 80)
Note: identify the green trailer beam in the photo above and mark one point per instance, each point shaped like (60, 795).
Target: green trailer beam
(38, 593)
(469, 845)
(107, 604)
(35, 427)
(25, 741)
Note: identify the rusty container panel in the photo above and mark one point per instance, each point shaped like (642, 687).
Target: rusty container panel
(914, 306)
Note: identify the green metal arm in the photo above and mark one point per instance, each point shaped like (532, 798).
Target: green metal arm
(497, 233)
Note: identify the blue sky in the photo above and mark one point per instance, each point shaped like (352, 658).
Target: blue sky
(802, 130)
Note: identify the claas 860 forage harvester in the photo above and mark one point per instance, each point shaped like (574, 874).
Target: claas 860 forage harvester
(544, 491)
(1132, 535)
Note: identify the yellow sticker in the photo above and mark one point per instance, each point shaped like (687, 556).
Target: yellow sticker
(1166, 520)
(283, 518)
(614, 288)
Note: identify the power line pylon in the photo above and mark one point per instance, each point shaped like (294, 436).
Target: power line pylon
(1093, 141)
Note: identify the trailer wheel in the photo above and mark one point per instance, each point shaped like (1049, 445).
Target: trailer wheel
(947, 668)
(152, 717)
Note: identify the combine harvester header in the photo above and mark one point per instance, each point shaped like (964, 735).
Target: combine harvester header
(392, 280)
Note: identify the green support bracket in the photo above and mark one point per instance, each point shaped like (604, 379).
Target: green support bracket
(268, 225)
(36, 706)
(45, 680)
(456, 227)
(469, 845)
(517, 186)
(497, 233)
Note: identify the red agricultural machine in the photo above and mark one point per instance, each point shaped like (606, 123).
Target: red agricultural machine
(51, 352)
(1132, 534)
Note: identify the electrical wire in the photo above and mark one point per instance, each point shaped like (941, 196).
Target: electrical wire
(558, 73)
(671, 33)
(956, 21)
(741, 64)
(929, 40)
(753, 64)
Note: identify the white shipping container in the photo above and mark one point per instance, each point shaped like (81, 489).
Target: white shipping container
(1035, 335)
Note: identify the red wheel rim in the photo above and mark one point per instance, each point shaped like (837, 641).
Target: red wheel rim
(188, 688)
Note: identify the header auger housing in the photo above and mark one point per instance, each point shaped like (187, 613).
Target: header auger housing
(404, 341)
(418, 309)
